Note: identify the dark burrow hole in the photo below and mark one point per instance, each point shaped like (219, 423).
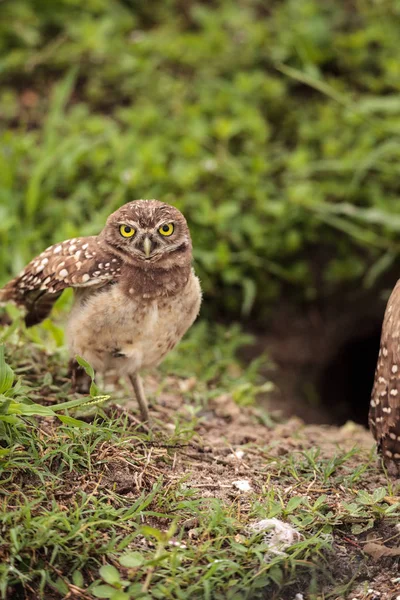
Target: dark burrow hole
(345, 383)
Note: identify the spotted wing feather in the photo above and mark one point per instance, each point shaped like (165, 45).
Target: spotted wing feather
(384, 414)
(76, 263)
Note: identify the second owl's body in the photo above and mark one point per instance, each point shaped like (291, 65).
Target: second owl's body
(135, 290)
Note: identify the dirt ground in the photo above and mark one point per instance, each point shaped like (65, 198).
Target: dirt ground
(211, 464)
(233, 443)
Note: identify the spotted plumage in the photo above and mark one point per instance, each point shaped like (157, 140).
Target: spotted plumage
(384, 414)
(79, 262)
(135, 290)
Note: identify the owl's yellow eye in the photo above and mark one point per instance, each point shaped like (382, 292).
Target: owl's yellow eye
(126, 231)
(167, 229)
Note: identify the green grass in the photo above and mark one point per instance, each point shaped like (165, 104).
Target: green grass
(100, 508)
(273, 129)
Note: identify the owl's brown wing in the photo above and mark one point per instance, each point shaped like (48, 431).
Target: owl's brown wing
(384, 413)
(76, 263)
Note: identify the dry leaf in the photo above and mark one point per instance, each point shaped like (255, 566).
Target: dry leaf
(378, 551)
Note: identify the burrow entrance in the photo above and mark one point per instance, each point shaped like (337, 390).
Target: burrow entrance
(324, 366)
(345, 383)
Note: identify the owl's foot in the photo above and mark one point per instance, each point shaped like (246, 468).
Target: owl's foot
(137, 385)
(80, 380)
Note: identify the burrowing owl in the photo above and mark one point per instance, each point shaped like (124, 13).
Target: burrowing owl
(384, 413)
(136, 293)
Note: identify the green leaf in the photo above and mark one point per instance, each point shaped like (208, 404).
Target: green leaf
(131, 559)
(10, 330)
(73, 422)
(364, 497)
(294, 503)
(61, 586)
(136, 590)
(77, 579)
(151, 531)
(6, 373)
(110, 574)
(79, 402)
(358, 528)
(4, 405)
(94, 390)
(85, 365)
(120, 595)
(320, 501)
(13, 420)
(103, 591)
(32, 410)
(379, 494)
(249, 295)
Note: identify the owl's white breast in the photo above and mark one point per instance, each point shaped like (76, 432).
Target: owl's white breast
(105, 324)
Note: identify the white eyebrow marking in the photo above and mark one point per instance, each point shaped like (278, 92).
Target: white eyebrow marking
(165, 222)
(131, 223)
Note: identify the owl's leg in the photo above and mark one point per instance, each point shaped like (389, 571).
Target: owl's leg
(137, 385)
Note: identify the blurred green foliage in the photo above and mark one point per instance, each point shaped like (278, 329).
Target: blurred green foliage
(274, 126)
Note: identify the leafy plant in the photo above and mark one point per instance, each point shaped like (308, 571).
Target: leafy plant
(115, 587)
(15, 405)
(274, 130)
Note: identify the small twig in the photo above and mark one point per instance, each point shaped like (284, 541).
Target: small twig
(351, 542)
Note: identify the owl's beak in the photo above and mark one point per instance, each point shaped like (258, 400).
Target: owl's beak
(147, 246)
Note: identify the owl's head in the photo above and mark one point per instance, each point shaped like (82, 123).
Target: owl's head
(145, 232)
